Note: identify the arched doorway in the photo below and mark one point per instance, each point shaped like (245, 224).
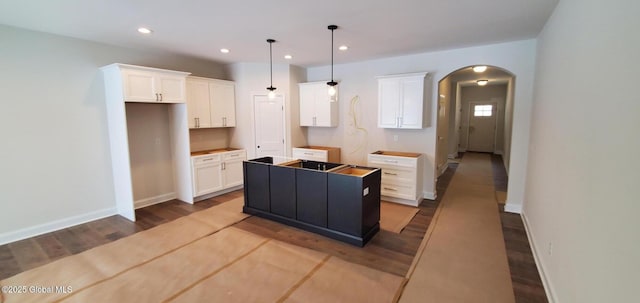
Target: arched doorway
(463, 102)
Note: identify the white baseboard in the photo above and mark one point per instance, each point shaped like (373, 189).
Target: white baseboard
(443, 169)
(513, 208)
(215, 194)
(429, 195)
(551, 296)
(154, 200)
(498, 152)
(37, 230)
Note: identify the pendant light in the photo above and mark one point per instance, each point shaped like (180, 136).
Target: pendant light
(332, 84)
(271, 95)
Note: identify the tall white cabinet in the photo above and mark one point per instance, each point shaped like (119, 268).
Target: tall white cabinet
(130, 83)
(317, 108)
(211, 102)
(401, 100)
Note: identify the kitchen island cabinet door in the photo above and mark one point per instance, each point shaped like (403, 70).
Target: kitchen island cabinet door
(311, 195)
(257, 195)
(283, 191)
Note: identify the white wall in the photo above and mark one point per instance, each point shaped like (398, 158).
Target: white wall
(490, 93)
(55, 167)
(253, 78)
(152, 168)
(359, 79)
(582, 183)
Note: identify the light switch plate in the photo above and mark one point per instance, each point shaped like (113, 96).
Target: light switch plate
(365, 192)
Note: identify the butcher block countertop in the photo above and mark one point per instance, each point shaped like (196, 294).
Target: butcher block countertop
(397, 154)
(320, 147)
(213, 151)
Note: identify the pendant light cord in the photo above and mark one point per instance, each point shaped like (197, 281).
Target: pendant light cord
(332, 55)
(332, 28)
(270, 41)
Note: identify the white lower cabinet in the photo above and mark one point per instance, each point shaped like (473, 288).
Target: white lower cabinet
(232, 168)
(317, 153)
(401, 180)
(217, 172)
(207, 174)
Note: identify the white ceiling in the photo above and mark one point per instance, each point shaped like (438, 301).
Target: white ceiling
(371, 28)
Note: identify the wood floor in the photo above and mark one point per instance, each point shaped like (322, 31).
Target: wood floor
(387, 251)
(527, 285)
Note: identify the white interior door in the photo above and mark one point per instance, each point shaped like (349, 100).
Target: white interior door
(269, 126)
(482, 126)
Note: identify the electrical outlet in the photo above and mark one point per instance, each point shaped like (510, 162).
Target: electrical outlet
(158, 141)
(550, 249)
(395, 137)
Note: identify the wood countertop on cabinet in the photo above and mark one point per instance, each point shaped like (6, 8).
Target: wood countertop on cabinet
(214, 151)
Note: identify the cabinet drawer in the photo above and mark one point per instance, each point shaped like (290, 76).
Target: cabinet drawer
(398, 191)
(390, 161)
(206, 159)
(310, 154)
(234, 155)
(398, 176)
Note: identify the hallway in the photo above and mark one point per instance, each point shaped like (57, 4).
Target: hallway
(463, 256)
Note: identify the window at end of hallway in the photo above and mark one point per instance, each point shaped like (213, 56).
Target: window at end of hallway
(482, 110)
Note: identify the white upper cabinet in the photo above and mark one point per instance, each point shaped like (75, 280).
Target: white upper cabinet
(144, 84)
(222, 98)
(211, 102)
(198, 108)
(401, 101)
(317, 108)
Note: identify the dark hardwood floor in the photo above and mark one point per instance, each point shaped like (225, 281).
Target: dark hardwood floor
(527, 285)
(387, 251)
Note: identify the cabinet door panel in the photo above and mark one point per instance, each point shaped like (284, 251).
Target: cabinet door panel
(223, 107)
(233, 173)
(307, 105)
(388, 103)
(198, 104)
(311, 197)
(283, 191)
(207, 179)
(257, 195)
(172, 88)
(322, 106)
(139, 86)
(412, 103)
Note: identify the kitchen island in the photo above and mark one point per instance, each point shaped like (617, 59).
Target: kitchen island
(335, 200)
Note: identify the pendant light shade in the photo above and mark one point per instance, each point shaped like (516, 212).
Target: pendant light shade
(272, 94)
(332, 84)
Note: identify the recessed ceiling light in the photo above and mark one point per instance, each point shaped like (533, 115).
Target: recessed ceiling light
(343, 47)
(482, 82)
(479, 68)
(144, 30)
(224, 50)
(288, 57)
